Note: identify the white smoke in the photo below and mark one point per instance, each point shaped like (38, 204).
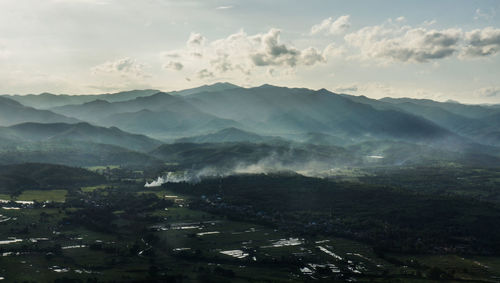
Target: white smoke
(263, 166)
(156, 183)
(170, 177)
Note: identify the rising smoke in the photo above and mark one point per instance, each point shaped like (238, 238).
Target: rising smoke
(264, 166)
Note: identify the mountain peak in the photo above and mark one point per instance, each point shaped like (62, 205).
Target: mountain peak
(220, 86)
(266, 86)
(97, 102)
(323, 91)
(223, 84)
(47, 94)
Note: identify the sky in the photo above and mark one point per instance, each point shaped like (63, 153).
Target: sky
(441, 50)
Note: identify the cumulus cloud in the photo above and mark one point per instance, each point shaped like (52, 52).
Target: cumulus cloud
(405, 44)
(400, 19)
(482, 42)
(174, 66)
(488, 92)
(274, 53)
(243, 54)
(195, 40)
(392, 42)
(332, 26)
(171, 54)
(125, 67)
(310, 56)
(202, 74)
(333, 50)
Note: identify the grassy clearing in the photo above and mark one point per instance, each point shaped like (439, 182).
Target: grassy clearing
(164, 193)
(40, 195)
(4, 196)
(96, 168)
(159, 194)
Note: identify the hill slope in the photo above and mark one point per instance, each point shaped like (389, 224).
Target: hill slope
(225, 135)
(13, 112)
(475, 122)
(19, 177)
(82, 132)
(270, 109)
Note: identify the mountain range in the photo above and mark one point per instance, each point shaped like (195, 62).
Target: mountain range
(234, 119)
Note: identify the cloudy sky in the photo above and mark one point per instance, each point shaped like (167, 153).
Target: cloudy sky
(426, 49)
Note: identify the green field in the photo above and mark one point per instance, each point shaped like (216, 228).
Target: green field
(38, 195)
(260, 228)
(4, 197)
(95, 168)
(191, 246)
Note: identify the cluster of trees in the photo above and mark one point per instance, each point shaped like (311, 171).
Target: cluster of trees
(16, 178)
(393, 219)
(98, 211)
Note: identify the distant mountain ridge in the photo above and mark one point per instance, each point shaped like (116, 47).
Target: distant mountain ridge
(79, 144)
(206, 88)
(263, 110)
(224, 112)
(227, 125)
(277, 109)
(231, 134)
(49, 100)
(36, 132)
(13, 112)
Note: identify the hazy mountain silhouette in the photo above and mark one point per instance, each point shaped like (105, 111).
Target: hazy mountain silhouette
(475, 122)
(270, 109)
(84, 132)
(49, 100)
(226, 135)
(206, 88)
(13, 112)
(227, 125)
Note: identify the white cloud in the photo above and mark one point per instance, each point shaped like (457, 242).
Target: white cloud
(125, 67)
(404, 43)
(272, 53)
(401, 19)
(177, 66)
(331, 26)
(195, 40)
(171, 54)
(224, 7)
(488, 92)
(481, 15)
(332, 50)
(202, 74)
(482, 42)
(260, 50)
(311, 56)
(241, 54)
(429, 23)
